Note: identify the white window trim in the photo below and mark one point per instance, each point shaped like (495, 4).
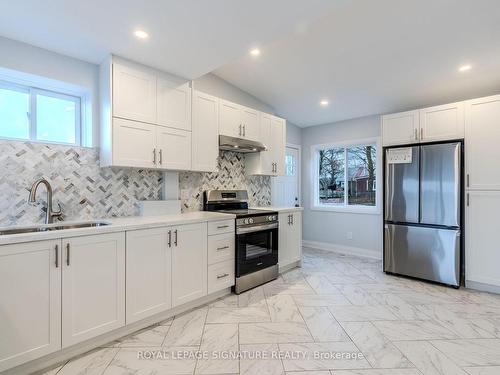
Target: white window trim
(316, 206)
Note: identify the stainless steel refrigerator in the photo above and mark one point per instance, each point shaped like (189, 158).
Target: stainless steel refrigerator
(423, 216)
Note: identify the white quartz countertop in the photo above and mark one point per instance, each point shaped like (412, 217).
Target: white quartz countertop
(116, 225)
(279, 209)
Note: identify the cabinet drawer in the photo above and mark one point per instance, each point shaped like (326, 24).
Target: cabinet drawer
(220, 248)
(220, 276)
(223, 226)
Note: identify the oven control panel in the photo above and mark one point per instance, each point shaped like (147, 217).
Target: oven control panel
(261, 219)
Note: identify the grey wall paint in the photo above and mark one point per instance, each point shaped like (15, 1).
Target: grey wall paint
(332, 227)
(293, 134)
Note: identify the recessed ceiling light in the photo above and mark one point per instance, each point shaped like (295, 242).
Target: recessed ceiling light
(255, 52)
(464, 68)
(324, 102)
(141, 34)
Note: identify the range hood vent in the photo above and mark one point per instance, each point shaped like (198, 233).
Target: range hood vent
(234, 144)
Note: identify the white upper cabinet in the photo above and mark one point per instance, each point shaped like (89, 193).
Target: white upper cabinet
(173, 148)
(230, 119)
(205, 132)
(134, 144)
(250, 123)
(148, 272)
(400, 128)
(482, 151)
(30, 302)
(93, 288)
(444, 122)
(272, 161)
(189, 263)
(174, 103)
(134, 91)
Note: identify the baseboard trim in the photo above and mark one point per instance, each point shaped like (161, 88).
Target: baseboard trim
(288, 267)
(342, 249)
(482, 287)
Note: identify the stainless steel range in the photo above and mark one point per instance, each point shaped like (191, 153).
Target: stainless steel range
(256, 237)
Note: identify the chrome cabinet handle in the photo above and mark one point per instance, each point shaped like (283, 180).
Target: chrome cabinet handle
(161, 156)
(169, 238)
(288, 219)
(468, 180)
(67, 254)
(468, 199)
(57, 256)
(223, 248)
(421, 134)
(416, 134)
(240, 129)
(221, 276)
(291, 218)
(244, 131)
(175, 237)
(222, 226)
(154, 155)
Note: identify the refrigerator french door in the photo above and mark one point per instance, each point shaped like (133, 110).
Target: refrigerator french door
(422, 223)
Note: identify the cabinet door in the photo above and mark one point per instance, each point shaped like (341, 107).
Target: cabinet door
(295, 236)
(481, 236)
(174, 148)
(400, 128)
(148, 273)
(230, 119)
(133, 144)
(250, 122)
(482, 151)
(30, 302)
(278, 136)
(93, 287)
(444, 122)
(173, 104)
(189, 263)
(266, 157)
(134, 92)
(284, 254)
(205, 135)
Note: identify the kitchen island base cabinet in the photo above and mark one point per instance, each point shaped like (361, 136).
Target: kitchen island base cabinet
(30, 301)
(189, 263)
(93, 286)
(148, 273)
(290, 239)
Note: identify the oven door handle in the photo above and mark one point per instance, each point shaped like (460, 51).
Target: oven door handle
(256, 228)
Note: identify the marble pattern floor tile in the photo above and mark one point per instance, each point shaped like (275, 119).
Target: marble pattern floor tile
(268, 363)
(324, 300)
(322, 325)
(263, 333)
(413, 330)
(483, 370)
(282, 308)
(357, 314)
(92, 363)
(249, 314)
(471, 352)
(217, 339)
(401, 371)
(186, 329)
(151, 336)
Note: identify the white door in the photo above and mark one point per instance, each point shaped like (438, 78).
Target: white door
(134, 144)
(250, 121)
(189, 263)
(93, 286)
(205, 135)
(482, 228)
(295, 236)
(134, 92)
(230, 119)
(400, 128)
(285, 189)
(30, 301)
(444, 122)
(148, 273)
(174, 104)
(482, 151)
(278, 140)
(174, 148)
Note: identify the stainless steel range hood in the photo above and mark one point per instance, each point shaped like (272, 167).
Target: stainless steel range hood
(234, 144)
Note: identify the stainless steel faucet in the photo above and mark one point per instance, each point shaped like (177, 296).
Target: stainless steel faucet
(50, 213)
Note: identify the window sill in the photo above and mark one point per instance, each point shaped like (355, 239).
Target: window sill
(348, 209)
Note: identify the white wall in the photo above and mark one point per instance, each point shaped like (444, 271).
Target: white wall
(293, 134)
(331, 228)
(36, 62)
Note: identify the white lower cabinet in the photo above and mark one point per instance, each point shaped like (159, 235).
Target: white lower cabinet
(290, 238)
(30, 301)
(93, 286)
(220, 275)
(482, 227)
(148, 273)
(189, 263)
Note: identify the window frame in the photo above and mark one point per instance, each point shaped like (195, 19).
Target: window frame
(361, 209)
(32, 119)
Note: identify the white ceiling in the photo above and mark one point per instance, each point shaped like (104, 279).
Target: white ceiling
(371, 57)
(366, 57)
(187, 37)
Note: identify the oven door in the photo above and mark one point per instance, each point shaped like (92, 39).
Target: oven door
(256, 248)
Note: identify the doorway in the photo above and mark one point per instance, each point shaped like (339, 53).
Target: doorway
(285, 190)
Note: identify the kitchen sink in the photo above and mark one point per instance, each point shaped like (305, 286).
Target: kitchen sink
(48, 228)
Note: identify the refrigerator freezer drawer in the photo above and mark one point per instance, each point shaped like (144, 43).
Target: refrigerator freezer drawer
(423, 252)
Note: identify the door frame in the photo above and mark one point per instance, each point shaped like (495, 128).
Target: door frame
(299, 172)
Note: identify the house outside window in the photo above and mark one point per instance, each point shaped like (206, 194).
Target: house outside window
(345, 176)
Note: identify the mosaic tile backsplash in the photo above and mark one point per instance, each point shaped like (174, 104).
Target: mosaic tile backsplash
(86, 191)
